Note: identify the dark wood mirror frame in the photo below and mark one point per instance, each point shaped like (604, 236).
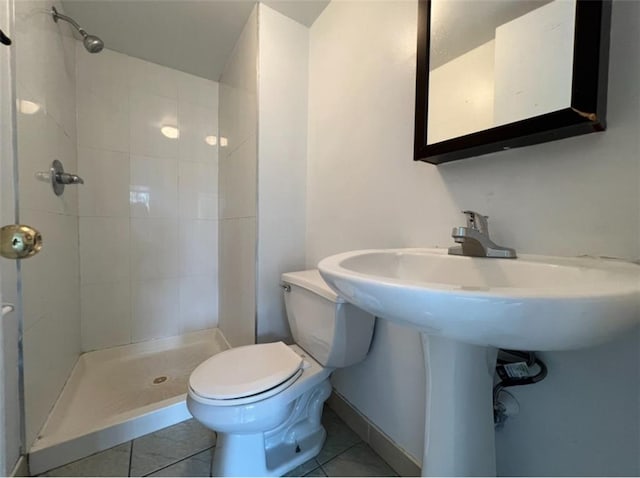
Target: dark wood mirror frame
(586, 114)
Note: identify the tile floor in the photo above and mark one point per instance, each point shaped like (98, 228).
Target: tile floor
(186, 450)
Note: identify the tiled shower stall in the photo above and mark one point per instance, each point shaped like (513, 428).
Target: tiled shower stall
(132, 254)
(160, 228)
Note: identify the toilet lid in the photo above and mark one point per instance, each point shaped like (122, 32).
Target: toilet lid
(244, 371)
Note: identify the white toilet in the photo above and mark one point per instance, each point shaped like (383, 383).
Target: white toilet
(265, 401)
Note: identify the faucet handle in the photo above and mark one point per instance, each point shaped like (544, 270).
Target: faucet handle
(477, 221)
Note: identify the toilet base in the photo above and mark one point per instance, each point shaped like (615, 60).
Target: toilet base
(280, 450)
(245, 455)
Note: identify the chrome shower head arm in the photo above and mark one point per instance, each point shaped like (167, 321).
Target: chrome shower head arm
(60, 16)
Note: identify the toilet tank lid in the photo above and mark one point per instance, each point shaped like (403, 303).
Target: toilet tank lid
(312, 281)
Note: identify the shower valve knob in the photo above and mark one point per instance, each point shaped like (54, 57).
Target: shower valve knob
(59, 178)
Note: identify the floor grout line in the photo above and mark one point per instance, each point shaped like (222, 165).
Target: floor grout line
(353, 446)
(181, 459)
(207, 468)
(211, 461)
(341, 453)
(130, 457)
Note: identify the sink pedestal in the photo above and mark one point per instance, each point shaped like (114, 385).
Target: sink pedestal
(459, 431)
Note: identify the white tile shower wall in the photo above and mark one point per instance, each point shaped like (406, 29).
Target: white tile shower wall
(282, 149)
(45, 77)
(237, 180)
(574, 196)
(148, 210)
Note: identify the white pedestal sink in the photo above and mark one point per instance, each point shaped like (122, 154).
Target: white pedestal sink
(466, 308)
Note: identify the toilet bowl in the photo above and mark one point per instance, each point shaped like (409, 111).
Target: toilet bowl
(265, 400)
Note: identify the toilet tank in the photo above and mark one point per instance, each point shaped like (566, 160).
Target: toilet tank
(332, 331)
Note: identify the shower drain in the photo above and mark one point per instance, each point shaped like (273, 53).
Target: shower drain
(161, 379)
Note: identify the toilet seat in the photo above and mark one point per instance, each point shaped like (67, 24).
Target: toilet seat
(244, 374)
(232, 402)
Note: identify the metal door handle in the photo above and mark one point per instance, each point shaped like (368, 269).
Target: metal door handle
(4, 39)
(18, 241)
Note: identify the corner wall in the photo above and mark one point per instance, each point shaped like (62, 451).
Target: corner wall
(282, 146)
(237, 182)
(263, 117)
(575, 196)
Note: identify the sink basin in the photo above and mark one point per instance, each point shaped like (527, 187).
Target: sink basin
(465, 309)
(530, 303)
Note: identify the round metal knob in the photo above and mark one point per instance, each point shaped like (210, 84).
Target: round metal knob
(18, 241)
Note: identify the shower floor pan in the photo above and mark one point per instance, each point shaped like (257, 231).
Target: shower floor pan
(118, 394)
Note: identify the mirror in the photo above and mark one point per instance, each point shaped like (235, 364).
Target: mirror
(499, 74)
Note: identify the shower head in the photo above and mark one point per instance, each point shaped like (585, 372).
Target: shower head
(92, 43)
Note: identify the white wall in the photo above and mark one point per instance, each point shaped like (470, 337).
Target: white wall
(149, 205)
(282, 147)
(45, 57)
(575, 196)
(237, 182)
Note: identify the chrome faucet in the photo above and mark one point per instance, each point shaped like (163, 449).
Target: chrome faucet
(474, 239)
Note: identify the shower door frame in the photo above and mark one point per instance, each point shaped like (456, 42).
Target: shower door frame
(10, 270)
